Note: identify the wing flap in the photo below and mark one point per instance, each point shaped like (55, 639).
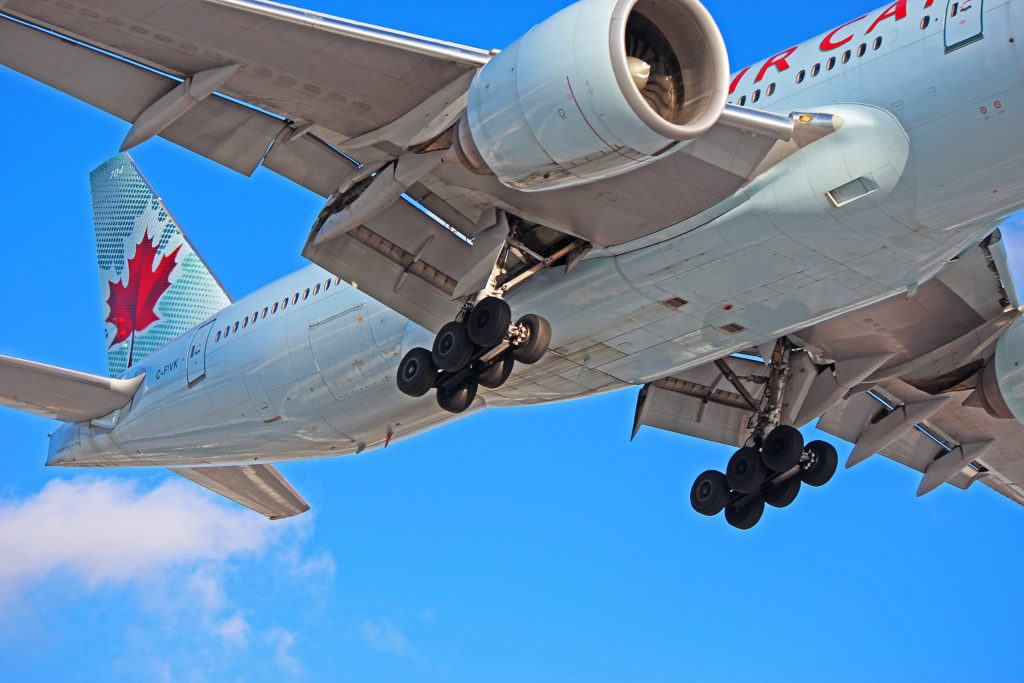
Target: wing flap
(62, 394)
(258, 487)
(346, 76)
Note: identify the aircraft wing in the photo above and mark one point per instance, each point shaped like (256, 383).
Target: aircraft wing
(258, 487)
(311, 80)
(898, 378)
(329, 103)
(62, 394)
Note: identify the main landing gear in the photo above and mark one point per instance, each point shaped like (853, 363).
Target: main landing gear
(480, 348)
(771, 474)
(775, 462)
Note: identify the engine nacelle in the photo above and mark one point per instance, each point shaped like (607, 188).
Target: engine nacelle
(599, 88)
(1001, 383)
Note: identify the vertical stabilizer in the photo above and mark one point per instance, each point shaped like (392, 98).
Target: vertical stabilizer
(154, 285)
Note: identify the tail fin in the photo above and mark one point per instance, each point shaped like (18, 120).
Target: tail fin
(154, 285)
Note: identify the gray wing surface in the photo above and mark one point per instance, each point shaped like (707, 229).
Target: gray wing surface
(62, 394)
(258, 487)
(913, 355)
(326, 102)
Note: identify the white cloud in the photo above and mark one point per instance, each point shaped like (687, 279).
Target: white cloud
(107, 529)
(282, 642)
(384, 636)
(234, 630)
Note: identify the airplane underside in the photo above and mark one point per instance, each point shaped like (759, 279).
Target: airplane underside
(540, 224)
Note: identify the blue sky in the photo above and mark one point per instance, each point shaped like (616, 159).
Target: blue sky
(570, 555)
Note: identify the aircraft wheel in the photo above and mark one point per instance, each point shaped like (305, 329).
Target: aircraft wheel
(746, 472)
(710, 493)
(496, 375)
(457, 400)
(745, 516)
(452, 347)
(488, 322)
(824, 461)
(783, 494)
(782, 448)
(538, 338)
(417, 373)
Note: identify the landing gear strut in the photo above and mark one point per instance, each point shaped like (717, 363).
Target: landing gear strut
(479, 349)
(772, 466)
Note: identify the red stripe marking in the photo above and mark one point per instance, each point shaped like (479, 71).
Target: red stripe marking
(580, 109)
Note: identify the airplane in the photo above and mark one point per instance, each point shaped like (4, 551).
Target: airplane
(603, 204)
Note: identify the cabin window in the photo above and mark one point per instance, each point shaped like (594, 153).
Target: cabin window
(770, 91)
(337, 280)
(218, 337)
(255, 315)
(316, 290)
(327, 285)
(274, 309)
(295, 299)
(264, 313)
(284, 304)
(815, 70)
(830, 64)
(245, 322)
(743, 101)
(878, 43)
(862, 49)
(924, 22)
(846, 56)
(227, 331)
(235, 328)
(305, 295)
(801, 76)
(755, 97)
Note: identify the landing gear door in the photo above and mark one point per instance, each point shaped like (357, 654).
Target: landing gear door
(195, 369)
(963, 23)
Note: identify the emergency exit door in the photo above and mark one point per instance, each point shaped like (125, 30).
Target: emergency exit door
(964, 23)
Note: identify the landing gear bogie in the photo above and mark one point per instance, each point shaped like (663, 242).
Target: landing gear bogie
(481, 348)
(749, 483)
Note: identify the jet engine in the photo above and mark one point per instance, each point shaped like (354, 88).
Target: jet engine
(1000, 387)
(597, 89)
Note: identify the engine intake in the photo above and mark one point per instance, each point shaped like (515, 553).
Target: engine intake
(597, 89)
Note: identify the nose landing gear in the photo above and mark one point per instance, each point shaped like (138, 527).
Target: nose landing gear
(479, 349)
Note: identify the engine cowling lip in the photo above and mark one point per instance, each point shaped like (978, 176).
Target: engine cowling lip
(718, 54)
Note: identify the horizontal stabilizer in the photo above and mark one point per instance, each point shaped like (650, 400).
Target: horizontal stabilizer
(66, 395)
(257, 487)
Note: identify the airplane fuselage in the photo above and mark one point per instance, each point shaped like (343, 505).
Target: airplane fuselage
(928, 159)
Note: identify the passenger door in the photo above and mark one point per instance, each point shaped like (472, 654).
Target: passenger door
(964, 23)
(195, 369)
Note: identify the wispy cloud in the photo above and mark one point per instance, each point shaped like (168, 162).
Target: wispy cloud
(234, 630)
(384, 636)
(282, 641)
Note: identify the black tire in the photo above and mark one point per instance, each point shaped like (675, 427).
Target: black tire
(782, 448)
(824, 461)
(782, 495)
(710, 493)
(496, 375)
(746, 472)
(457, 400)
(745, 516)
(538, 338)
(489, 322)
(452, 347)
(417, 373)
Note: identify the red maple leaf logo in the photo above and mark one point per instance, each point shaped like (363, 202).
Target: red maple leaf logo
(133, 306)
